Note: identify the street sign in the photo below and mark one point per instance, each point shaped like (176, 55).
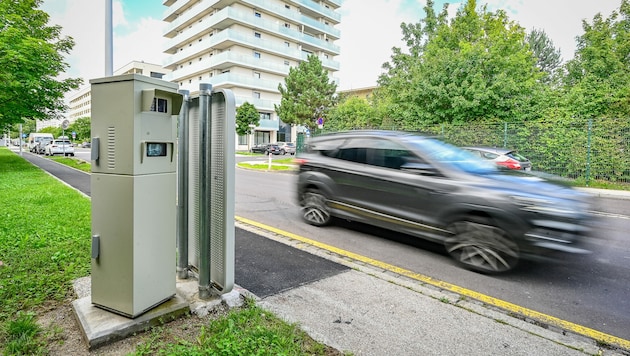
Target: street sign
(65, 124)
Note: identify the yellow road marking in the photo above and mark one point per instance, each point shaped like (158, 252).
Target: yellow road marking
(510, 307)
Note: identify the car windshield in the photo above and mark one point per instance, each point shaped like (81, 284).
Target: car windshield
(451, 155)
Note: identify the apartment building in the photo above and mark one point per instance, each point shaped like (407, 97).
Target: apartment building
(248, 46)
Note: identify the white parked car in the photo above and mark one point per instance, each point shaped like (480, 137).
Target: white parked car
(59, 147)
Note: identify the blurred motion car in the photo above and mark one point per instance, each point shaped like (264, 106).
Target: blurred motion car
(59, 147)
(507, 158)
(487, 219)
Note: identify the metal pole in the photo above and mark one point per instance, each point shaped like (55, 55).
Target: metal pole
(182, 188)
(109, 42)
(588, 151)
(504, 134)
(20, 138)
(205, 96)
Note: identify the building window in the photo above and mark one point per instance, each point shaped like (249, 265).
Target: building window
(287, 7)
(257, 75)
(257, 14)
(286, 63)
(265, 115)
(287, 25)
(256, 54)
(256, 95)
(287, 44)
(257, 34)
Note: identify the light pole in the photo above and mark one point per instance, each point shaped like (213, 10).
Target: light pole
(250, 142)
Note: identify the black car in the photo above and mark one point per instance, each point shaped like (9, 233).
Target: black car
(487, 219)
(259, 148)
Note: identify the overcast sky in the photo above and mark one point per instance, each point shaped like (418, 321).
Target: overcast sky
(369, 29)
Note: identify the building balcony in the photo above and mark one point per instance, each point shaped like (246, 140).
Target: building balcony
(228, 16)
(202, 8)
(229, 59)
(229, 37)
(317, 10)
(264, 105)
(225, 80)
(295, 16)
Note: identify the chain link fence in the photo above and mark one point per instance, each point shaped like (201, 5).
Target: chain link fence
(586, 151)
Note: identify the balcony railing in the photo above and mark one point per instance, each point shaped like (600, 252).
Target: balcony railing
(251, 20)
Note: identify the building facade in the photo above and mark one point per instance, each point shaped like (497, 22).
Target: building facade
(79, 104)
(248, 46)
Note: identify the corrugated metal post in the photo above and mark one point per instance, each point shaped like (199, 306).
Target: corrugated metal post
(205, 95)
(182, 188)
(588, 151)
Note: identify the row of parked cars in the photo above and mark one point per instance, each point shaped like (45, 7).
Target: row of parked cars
(278, 148)
(59, 146)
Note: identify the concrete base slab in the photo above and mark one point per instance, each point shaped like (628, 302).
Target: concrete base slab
(101, 327)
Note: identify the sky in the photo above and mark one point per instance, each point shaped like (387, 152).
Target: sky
(369, 30)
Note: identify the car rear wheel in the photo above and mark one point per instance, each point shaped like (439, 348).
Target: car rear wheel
(314, 208)
(478, 245)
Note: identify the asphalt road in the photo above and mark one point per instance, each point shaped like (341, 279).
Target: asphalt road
(590, 290)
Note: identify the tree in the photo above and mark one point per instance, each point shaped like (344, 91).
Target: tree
(548, 58)
(353, 113)
(246, 115)
(307, 94)
(597, 82)
(477, 66)
(31, 60)
(82, 126)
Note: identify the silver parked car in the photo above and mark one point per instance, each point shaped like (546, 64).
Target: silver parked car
(502, 157)
(286, 147)
(487, 219)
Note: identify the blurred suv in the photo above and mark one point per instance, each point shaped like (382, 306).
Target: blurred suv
(287, 147)
(487, 219)
(509, 159)
(59, 147)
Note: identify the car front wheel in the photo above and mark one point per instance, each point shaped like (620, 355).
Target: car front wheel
(478, 245)
(314, 208)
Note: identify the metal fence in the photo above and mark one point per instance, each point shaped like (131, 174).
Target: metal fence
(587, 151)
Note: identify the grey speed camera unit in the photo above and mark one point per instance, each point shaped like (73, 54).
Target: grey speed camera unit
(133, 192)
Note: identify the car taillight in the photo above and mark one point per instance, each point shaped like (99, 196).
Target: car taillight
(512, 164)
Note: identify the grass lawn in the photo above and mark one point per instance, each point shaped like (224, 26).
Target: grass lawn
(45, 245)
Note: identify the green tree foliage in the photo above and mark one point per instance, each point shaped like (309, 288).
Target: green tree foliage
(83, 127)
(55, 131)
(477, 66)
(548, 58)
(352, 113)
(246, 115)
(31, 59)
(307, 93)
(598, 77)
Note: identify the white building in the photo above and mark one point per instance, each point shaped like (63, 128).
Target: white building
(248, 46)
